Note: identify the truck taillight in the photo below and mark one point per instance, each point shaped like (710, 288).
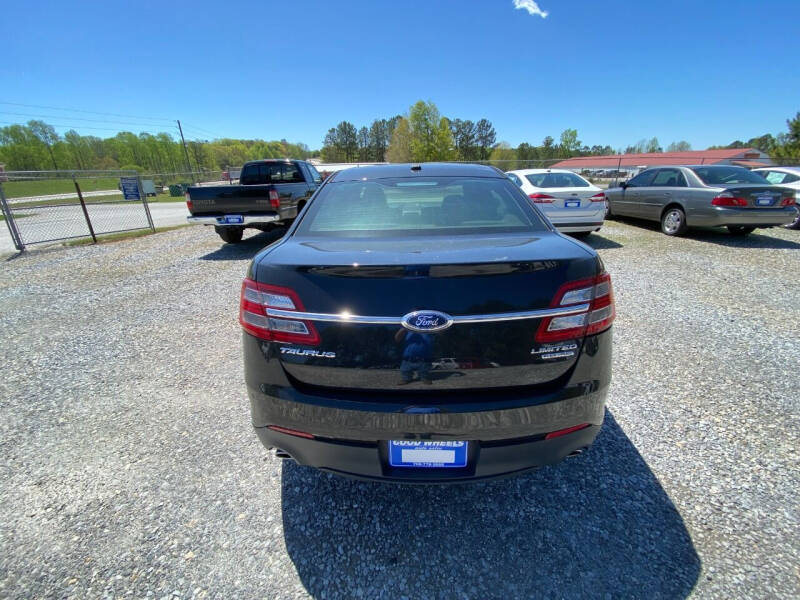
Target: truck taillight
(598, 293)
(541, 198)
(601, 197)
(188, 201)
(274, 199)
(258, 298)
(728, 199)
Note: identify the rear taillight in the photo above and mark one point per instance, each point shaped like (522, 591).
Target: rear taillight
(255, 301)
(601, 197)
(560, 432)
(298, 433)
(597, 293)
(188, 200)
(728, 199)
(788, 201)
(541, 198)
(274, 199)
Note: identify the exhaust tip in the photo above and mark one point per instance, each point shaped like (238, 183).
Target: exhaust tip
(577, 452)
(280, 454)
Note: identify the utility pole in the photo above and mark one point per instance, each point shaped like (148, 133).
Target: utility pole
(185, 151)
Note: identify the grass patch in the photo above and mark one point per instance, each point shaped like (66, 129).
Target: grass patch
(3, 217)
(123, 235)
(97, 200)
(43, 187)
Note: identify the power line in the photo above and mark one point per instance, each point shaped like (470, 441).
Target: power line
(206, 131)
(68, 126)
(91, 112)
(83, 119)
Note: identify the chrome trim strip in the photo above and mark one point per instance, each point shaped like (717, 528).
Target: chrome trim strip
(491, 318)
(246, 220)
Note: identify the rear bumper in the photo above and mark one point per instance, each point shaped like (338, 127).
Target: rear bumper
(505, 429)
(753, 217)
(578, 227)
(219, 221)
(571, 223)
(370, 460)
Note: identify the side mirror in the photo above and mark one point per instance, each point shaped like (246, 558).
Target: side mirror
(623, 184)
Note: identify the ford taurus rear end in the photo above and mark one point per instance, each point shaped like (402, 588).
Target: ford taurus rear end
(426, 324)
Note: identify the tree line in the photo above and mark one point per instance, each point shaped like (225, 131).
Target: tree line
(35, 146)
(423, 134)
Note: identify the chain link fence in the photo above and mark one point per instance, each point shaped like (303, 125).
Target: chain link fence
(48, 206)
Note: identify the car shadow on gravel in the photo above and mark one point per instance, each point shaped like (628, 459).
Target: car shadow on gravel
(599, 525)
(754, 240)
(247, 248)
(598, 242)
(721, 236)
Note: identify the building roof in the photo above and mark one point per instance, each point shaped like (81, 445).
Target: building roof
(417, 170)
(689, 157)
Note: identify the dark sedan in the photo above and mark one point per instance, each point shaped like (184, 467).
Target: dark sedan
(391, 270)
(703, 196)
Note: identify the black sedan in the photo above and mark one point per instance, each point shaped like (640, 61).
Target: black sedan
(392, 269)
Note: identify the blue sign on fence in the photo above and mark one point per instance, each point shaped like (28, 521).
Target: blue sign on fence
(130, 188)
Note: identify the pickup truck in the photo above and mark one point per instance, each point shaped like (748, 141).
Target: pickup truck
(270, 193)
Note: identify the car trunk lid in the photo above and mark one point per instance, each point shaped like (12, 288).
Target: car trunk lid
(376, 284)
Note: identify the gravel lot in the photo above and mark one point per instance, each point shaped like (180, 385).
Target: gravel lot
(129, 466)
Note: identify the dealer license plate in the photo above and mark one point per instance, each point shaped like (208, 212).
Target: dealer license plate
(230, 220)
(427, 454)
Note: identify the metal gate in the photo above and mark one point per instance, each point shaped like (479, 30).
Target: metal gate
(49, 206)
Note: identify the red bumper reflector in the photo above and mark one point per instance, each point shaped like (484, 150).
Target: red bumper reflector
(288, 431)
(560, 432)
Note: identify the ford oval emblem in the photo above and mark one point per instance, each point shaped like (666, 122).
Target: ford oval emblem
(426, 321)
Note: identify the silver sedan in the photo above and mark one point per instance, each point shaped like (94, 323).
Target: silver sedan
(703, 196)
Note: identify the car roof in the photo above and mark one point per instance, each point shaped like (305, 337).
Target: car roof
(432, 169)
(534, 171)
(790, 169)
(271, 160)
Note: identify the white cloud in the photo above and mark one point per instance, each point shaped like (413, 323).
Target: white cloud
(532, 8)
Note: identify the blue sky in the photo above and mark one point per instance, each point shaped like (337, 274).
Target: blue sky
(617, 71)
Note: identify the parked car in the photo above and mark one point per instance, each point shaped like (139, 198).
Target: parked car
(571, 203)
(270, 193)
(785, 177)
(394, 268)
(704, 195)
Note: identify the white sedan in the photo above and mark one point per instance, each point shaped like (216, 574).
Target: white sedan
(571, 203)
(785, 177)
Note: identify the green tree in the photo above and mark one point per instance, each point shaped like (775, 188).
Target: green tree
(502, 156)
(465, 137)
(789, 146)
(347, 136)
(653, 146)
(399, 150)
(485, 137)
(47, 135)
(364, 144)
(431, 138)
(379, 139)
(569, 143)
(681, 146)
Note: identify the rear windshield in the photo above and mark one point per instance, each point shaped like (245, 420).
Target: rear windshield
(726, 175)
(556, 180)
(276, 172)
(419, 205)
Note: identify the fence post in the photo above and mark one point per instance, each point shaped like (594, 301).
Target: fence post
(83, 206)
(12, 226)
(143, 198)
